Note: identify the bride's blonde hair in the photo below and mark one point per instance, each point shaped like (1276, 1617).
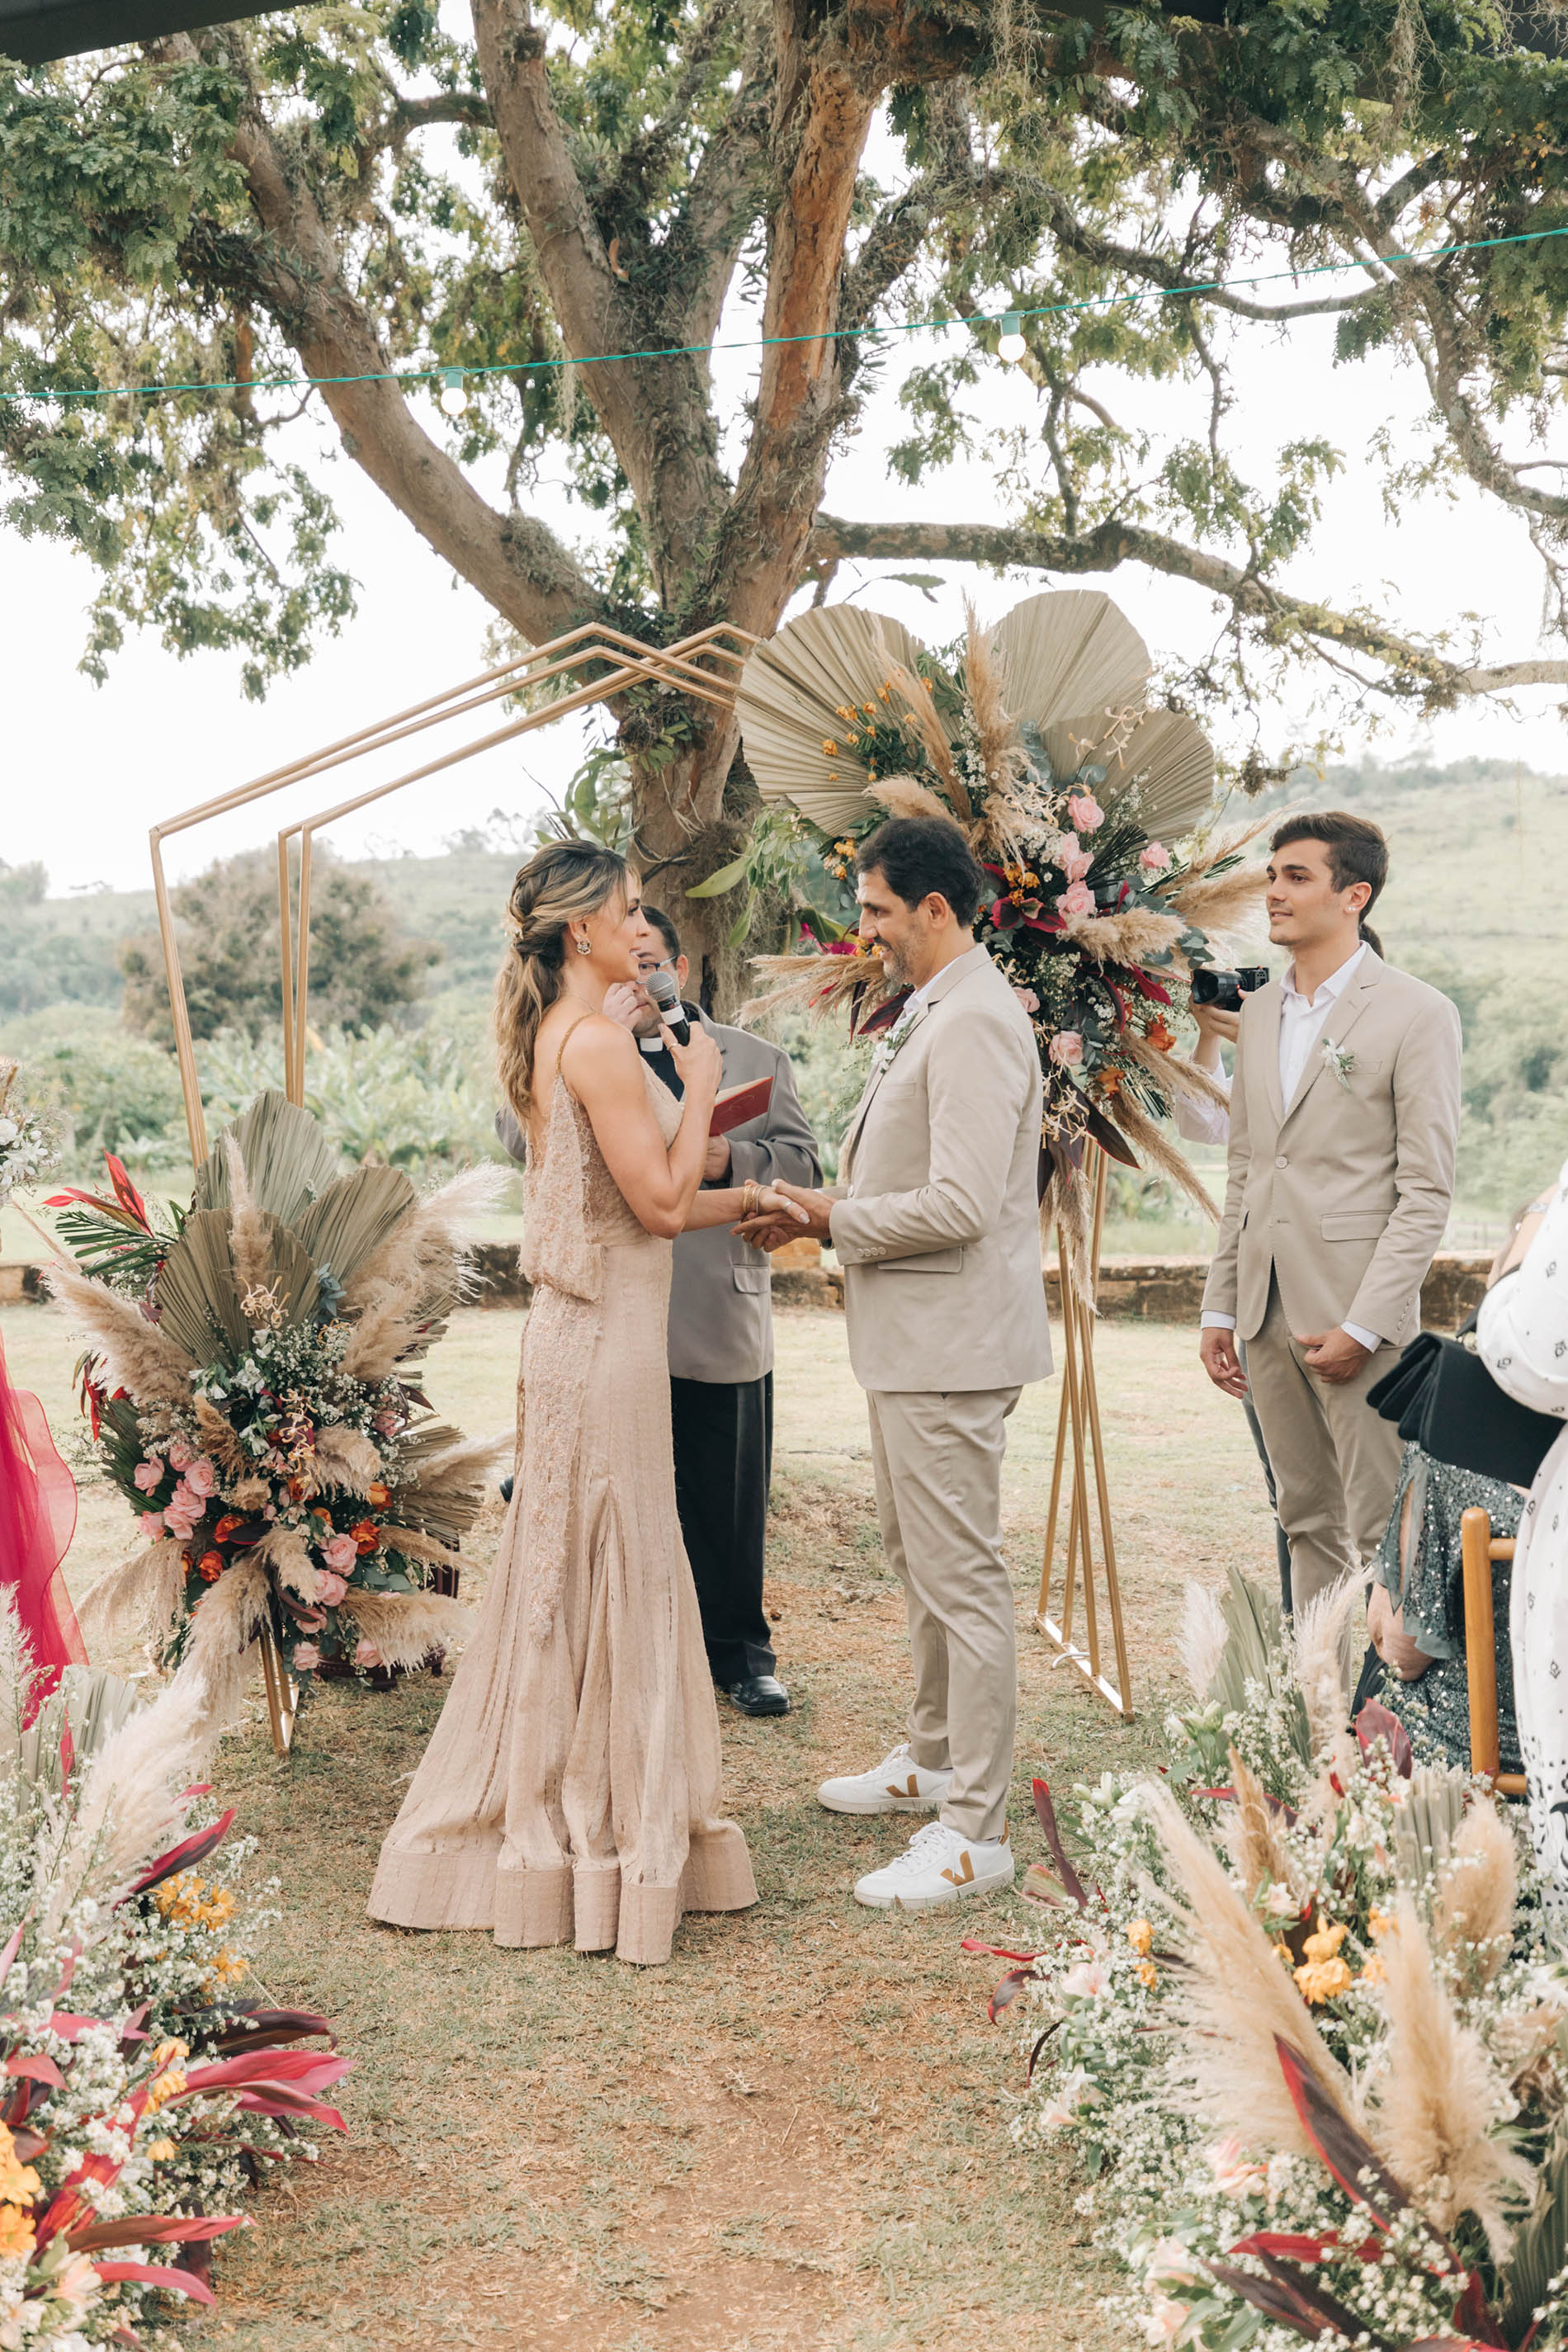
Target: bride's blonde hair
(558, 885)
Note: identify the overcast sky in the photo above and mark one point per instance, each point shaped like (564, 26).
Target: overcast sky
(87, 769)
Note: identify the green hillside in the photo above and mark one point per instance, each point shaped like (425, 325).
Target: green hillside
(1474, 906)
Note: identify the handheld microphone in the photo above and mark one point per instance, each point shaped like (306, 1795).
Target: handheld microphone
(660, 986)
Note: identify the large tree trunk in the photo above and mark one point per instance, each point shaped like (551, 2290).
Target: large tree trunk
(691, 818)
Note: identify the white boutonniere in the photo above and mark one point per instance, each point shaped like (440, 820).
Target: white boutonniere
(886, 1051)
(1341, 1061)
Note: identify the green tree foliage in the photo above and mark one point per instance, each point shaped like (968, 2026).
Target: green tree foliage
(363, 968)
(337, 192)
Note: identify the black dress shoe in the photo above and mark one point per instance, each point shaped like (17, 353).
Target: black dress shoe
(758, 1695)
(506, 1487)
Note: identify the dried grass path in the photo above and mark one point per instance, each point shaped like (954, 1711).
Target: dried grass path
(796, 2134)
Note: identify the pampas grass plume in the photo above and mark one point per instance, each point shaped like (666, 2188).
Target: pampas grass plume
(137, 1356)
(1440, 2097)
(1322, 1636)
(1234, 1996)
(1201, 1638)
(1472, 1903)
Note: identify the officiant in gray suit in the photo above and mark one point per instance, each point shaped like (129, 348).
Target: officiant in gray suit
(721, 1344)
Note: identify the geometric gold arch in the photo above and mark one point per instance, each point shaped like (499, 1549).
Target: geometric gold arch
(628, 661)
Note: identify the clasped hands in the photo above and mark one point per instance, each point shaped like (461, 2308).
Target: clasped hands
(788, 1213)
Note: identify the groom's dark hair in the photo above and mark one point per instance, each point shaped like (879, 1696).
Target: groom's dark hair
(1358, 852)
(920, 855)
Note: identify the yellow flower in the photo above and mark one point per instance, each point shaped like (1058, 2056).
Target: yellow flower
(1148, 1974)
(1326, 1942)
(1374, 1971)
(19, 2184)
(1319, 1980)
(15, 2233)
(1140, 1935)
(168, 2052)
(158, 2152)
(830, 747)
(1378, 1924)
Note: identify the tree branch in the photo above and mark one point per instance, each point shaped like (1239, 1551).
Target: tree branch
(1413, 672)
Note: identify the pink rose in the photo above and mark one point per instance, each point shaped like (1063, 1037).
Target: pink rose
(201, 1477)
(1027, 998)
(340, 1554)
(78, 2283)
(1085, 811)
(1077, 900)
(367, 1654)
(148, 1474)
(1153, 857)
(152, 1524)
(182, 1511)
(307, 1658)
(330, 1589)
(1066, 1048)
(180, 1455)
(1073, 861)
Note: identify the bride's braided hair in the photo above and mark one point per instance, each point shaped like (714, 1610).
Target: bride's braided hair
(560, 884)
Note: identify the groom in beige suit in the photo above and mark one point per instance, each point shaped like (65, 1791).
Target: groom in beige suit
(935, 1222)
(1343, 1113)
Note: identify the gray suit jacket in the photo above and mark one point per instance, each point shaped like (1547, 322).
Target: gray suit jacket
(721, 1308)
(1342, 1197)
(938, 1224)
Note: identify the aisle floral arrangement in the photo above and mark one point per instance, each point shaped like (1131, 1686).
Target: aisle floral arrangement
(251, 1384)
(1079, 799)
(1303, 2019)
(29, 1141)
(144, 2096)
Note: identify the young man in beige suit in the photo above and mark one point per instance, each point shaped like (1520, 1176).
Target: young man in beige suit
(935, 1222)
(1344, 1110)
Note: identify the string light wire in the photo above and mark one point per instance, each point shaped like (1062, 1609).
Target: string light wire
(445, 373)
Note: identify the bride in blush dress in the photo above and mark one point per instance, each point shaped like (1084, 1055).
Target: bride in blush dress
(570, 1792)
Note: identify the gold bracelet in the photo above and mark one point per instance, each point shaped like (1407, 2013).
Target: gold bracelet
(750, 1198)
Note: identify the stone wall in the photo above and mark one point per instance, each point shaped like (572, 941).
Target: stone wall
(1157, 1290)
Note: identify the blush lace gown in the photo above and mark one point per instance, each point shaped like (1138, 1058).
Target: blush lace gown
(570, 1792)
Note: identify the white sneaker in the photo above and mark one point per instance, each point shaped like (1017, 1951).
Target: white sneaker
(897, 1785)
(937, 1866)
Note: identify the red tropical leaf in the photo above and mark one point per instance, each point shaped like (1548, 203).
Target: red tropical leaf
(273, 2025)
(155, 2229)
(184, 1855)
(1006, 1992)
(125, 1192)
(1374, 1723)
(1046, 1814)
(996, 1951)
(308, 2070)
(1353, 2160)
(13, 1946)
(1473, 2312)
(70, 2026)
(1293, 2300)
(38, 2069)
(150, 2274)
(1035, 2053)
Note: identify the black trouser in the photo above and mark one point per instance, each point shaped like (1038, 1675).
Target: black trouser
(723, 1461)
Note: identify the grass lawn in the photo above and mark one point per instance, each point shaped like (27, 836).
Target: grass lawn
(797, 2132)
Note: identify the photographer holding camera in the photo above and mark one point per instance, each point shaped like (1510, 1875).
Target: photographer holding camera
(1343, 1116)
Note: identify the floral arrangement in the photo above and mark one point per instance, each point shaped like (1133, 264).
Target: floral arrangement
(29, 1143)
(143, 2096)
(1079, 801)
(251, 1384)
(1301, 2017)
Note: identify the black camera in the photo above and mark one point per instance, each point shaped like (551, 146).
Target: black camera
(1226, 989)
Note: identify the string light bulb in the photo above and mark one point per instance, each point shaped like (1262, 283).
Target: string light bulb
(1010, 343)
(454, 393)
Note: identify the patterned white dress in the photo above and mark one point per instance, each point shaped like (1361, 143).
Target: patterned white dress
(1522, 1334)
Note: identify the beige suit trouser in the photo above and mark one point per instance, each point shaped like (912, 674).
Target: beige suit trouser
(1336, 1461)
(938, 1460)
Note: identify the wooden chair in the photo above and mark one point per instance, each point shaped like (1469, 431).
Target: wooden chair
(1479, 1547)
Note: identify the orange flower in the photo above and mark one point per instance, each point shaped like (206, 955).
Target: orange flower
(378, 1494)
(366, 1536)
(1160, 1038)
(226, 1526)
(210, 1566)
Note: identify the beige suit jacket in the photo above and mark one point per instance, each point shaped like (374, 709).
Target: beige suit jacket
(1344, 1196)
(937, 1227)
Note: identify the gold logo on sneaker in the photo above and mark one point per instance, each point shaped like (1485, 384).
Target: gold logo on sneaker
(913, 1790)
(964, 1874)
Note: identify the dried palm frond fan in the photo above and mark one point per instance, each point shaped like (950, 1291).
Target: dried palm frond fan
(1089, 809)
(253, 1385)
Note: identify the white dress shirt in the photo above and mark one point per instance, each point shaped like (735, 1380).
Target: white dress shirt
(1198, 1120)
(1303, 1020)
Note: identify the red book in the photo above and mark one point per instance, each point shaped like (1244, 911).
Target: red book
(736, 1104)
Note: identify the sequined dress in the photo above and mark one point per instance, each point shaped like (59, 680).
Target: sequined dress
(570, 1792)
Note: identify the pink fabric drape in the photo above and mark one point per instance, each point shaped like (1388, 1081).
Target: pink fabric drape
(38, 1521)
